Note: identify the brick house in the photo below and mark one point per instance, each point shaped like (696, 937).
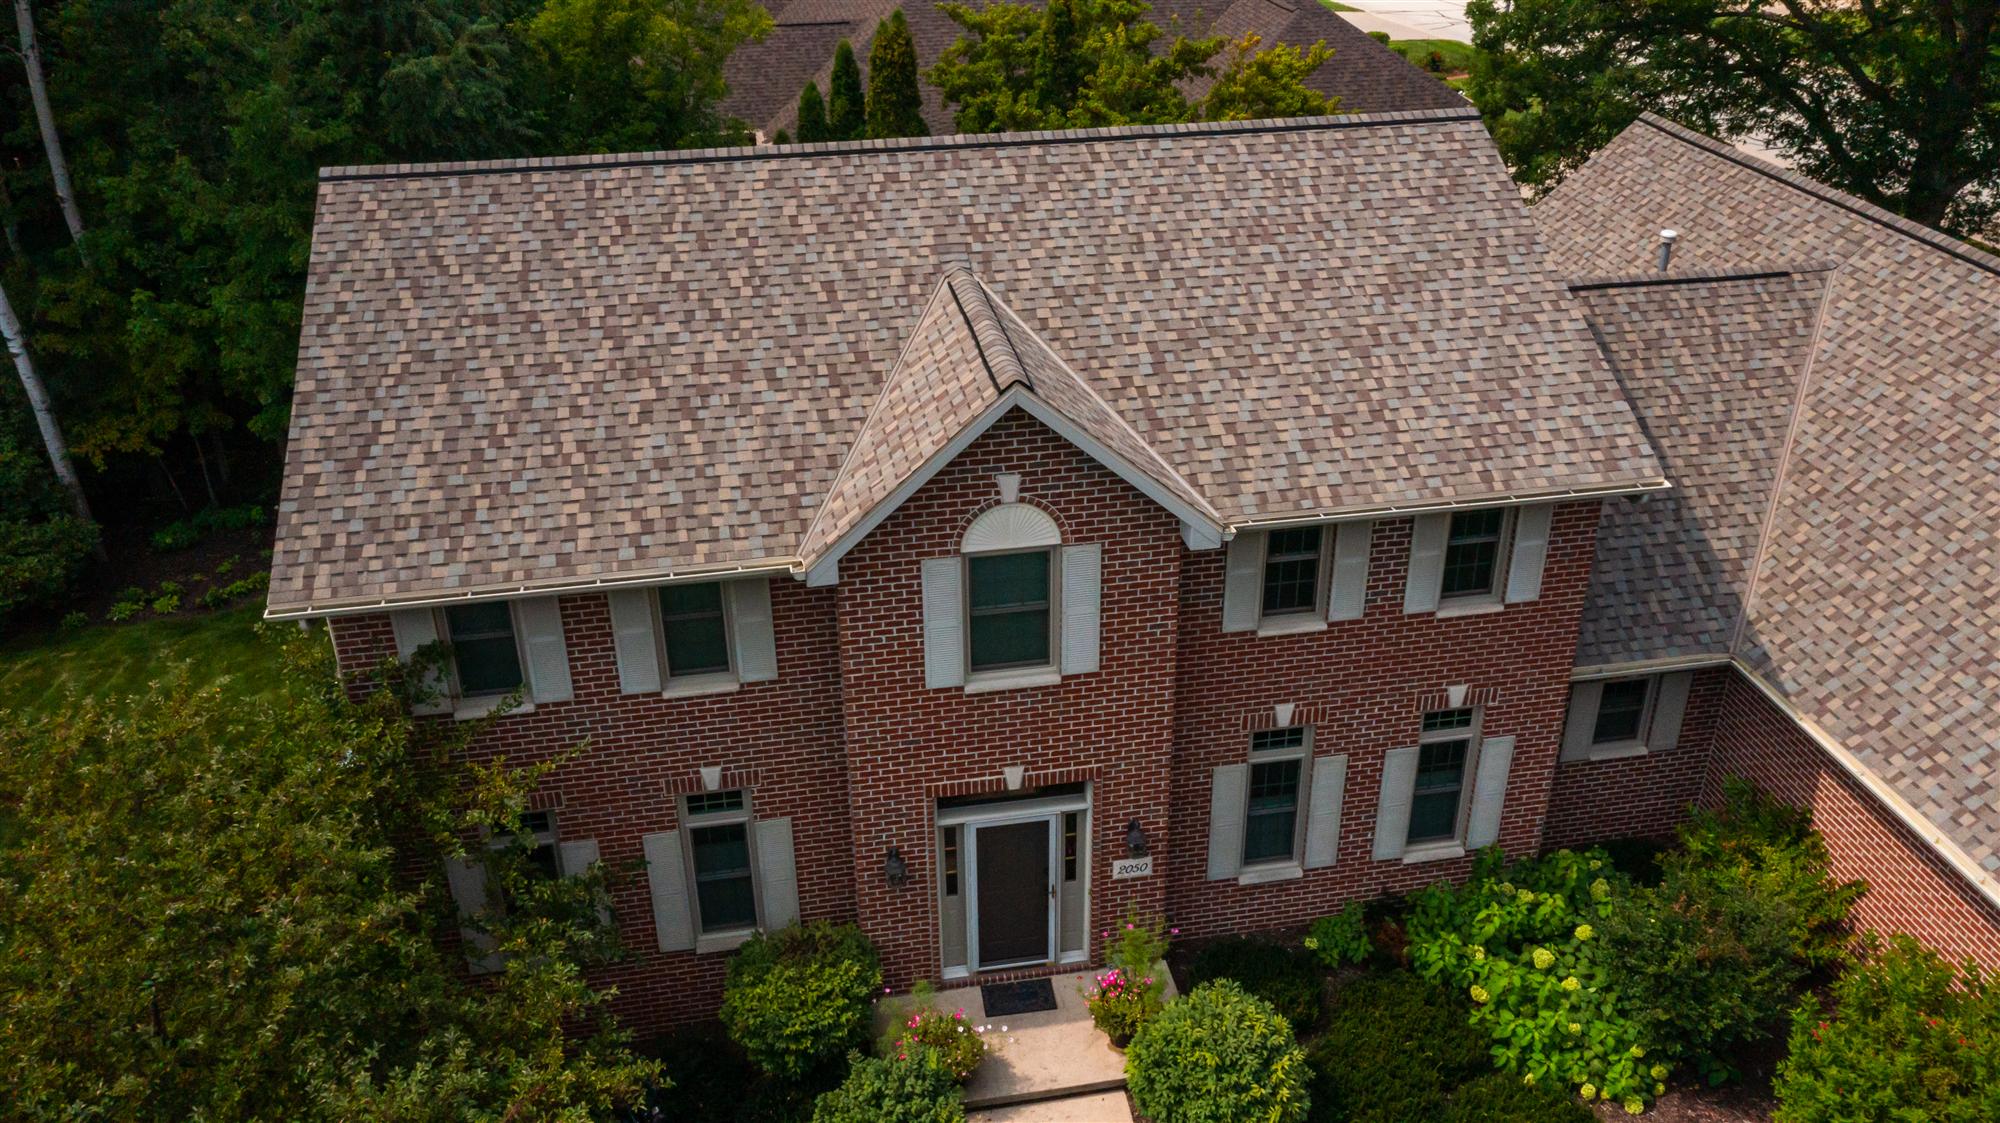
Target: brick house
(977, 538)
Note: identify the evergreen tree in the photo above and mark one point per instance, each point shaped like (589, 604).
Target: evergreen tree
(812, 115)
(1059, 62)
(847, 111)
(895, 107)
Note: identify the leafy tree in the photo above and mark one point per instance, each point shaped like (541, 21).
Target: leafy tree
(847, 106)
(626, 75)
(812, 115)
(895, 105)
(1088, 63)
(221, 913)
(1897, 101)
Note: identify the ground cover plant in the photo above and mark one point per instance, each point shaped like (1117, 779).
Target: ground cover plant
(1288, 978)
(1393, 1048)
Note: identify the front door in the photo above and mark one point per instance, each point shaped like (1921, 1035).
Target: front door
(1014, 893)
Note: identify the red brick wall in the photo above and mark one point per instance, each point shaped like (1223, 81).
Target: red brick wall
(1910, 889)
(785, 733)
(1641, 796)
(907, 744)
(1364, 685)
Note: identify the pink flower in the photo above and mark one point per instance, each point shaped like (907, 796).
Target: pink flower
(1129, 926)
(1173, 931)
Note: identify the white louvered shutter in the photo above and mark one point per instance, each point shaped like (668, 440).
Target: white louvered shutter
(1225, 821)
(1349, 598)
(632, 638)
(1392, 811)
(1426, 577)
(777, 873)
(1489, 792)
(1582, 720)
(576, 856)
(1329, 784)
(416, 628)
(756, 638)
(666, 878)
(467, 881)
(944, 622)
(1668, 710)
(548, 656)
(1082, 573)
(1243, 582)
(1531, 547)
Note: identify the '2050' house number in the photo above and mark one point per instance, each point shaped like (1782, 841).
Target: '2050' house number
(1122, 868)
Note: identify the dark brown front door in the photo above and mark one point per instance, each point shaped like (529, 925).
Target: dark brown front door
(1013, 893)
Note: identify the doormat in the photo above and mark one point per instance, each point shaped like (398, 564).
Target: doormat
(1031, 997)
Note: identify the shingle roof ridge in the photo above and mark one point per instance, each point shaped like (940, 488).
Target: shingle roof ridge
(1935, 239)
(590, 162)
(1699, 276)
(1083, 383)
(989, 335)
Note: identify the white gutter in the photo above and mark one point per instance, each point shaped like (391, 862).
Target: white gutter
(1503, 499)
(1648, 667)
(772, 567)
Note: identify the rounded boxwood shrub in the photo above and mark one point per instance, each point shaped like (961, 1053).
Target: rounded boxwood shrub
(1219, 1055)
(1501, 1097)
(918, 1090)
(1287, 978)
(796, 1000)
(1393, 1046)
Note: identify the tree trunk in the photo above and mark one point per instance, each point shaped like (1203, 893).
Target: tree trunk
(38, 87)
(45, 415)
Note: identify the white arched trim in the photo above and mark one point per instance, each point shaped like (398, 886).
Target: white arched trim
(1011, 526)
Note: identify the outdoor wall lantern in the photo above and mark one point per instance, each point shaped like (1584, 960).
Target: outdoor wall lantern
(1135, 839)
(894, 869)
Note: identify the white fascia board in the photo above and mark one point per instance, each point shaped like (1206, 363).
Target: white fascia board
(492, 593)
(1498, 499)
(1647, 667)
(826, 570)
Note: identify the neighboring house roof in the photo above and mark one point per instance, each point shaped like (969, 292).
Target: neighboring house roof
(553, 373)
(1874, 602)
(765, 78)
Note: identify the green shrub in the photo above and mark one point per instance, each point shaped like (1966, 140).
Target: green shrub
(209, 520)
(1522, 943)
(1393, 1046)
(1128, 992)
(958, 1046)
(1218, 1055)
(1287, 978)
(219, 595)
(41, 560)
(796, 1000)
(1909, 1039)
(1773, 846)
(1502, 1097)
(917, 1090)
(1341, 938)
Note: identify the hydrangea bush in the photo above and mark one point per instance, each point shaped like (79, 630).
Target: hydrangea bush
(1521, 942)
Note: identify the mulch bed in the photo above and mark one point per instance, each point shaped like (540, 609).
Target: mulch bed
(135, 564)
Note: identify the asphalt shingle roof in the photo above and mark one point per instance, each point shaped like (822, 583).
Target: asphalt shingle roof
(765, 78)
(1876, 602)
(545, 374)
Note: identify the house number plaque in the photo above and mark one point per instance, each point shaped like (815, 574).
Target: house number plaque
(1122, 868)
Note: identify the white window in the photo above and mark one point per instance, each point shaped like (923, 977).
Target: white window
(1619, 717)
(720, 862)
(702, 637)
(1273, 816)
(694, 633)
(1010, 610)
(1293, 562)
(1438, 798)
(486, 658)
(1621, 712)
(1474, 552)
(495, 650)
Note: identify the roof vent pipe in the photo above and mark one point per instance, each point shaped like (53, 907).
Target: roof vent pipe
(1667, 247)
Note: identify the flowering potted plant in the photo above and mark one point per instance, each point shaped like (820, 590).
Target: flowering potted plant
(1128, 992)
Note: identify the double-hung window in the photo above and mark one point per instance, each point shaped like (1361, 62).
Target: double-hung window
(1272, 819)
(1292, 571)
(1437, 805)
(1621, 712)
(1009, 609)
(694, 629)
(718, 834)
(1472, 554)
(486, 658)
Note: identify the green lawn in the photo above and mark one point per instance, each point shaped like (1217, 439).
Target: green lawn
(1336, 6)
(117, 660)
(1457, 56)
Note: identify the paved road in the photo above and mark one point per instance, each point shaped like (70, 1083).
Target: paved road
(1412, 19)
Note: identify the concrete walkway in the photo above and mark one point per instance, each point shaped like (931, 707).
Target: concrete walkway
(1097, 1107)
(1055, 1058)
